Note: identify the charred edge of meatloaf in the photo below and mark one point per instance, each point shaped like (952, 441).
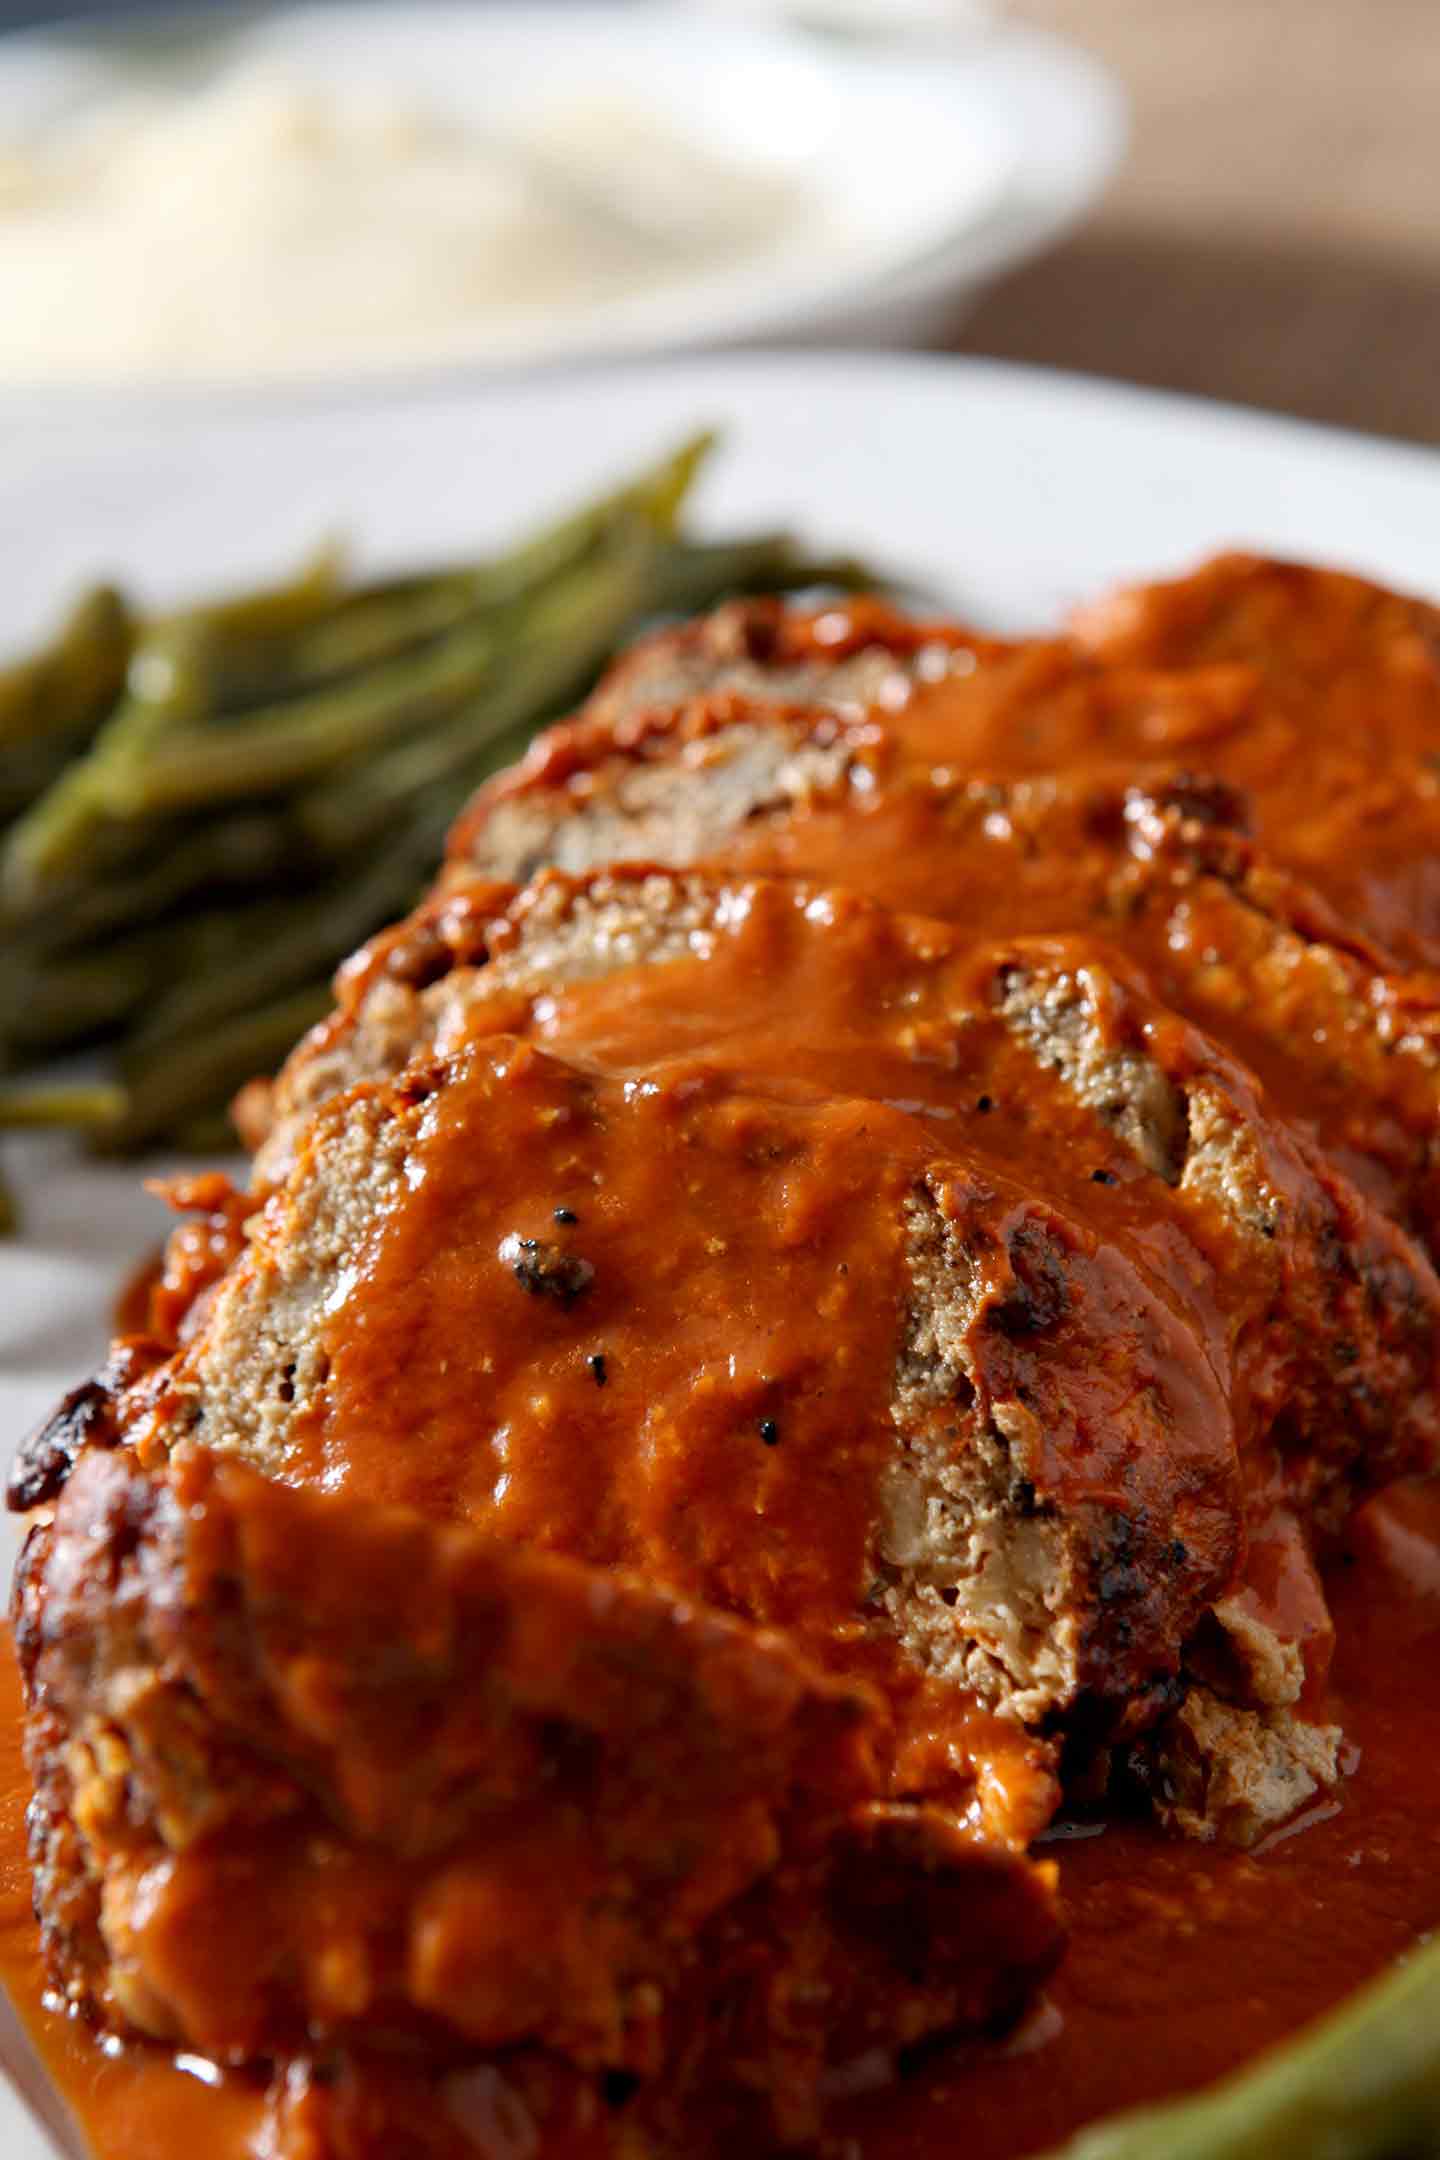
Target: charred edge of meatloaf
(198, 1652)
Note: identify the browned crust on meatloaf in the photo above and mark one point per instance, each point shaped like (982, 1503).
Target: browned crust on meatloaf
(1007, 1599)
(1329, 1269)
(1337, 1026)
(199, 1652)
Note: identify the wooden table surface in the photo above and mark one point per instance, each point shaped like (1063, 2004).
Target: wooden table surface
(1275, 235)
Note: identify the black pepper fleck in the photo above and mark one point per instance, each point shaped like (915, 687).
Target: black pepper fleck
(769, 1432)
(545, 1270)
(985, 1105)
(1103, 1177)
(566, 1215)
(597, 1367)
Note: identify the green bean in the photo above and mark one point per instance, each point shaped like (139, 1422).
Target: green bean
(190, 1080)
(27, 769)
(280, 747)
(566, 636)
(96, 1105)
(395, 615)
(50, 1004)
(656, 497)
(236, 853)
(167, 688)
(52, 703)
(65, 689)
(363, 629)
(178, 670)
(1363, 2084)
(266, 611)
(696, 574)
(273, 947)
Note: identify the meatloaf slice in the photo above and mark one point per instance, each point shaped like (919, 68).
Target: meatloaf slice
(1318, 1315)
(258, 1831)
(793, 722)
(744, 1339)
(862, 657)
(1343, 1035)
(1316, 696)
(1042, 1051)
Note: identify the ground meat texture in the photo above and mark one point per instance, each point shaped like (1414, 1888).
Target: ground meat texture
(809, 1211)
(198, 1650)
(1301, 1271)
(923, 806)
(982, 1303)
(1085, 1079)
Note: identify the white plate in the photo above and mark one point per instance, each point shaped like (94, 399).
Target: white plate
(948, 161)
(1012, 493)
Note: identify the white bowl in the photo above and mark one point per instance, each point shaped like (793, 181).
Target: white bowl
(928, 165)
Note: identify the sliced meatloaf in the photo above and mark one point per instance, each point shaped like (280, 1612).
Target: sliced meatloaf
(1316, 696)
(1317, 1314)
(256, 1828)
(783, 1323)
(724, 1389)
(1343, 1036)
(767, 1351)
(1042, 1051)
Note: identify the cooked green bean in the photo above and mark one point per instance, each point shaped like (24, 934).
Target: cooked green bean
(267, 611)
(49, 1004)
(243, 852)
(1363, 2084)
(392, 616)
(363, 629)
(272, 946)
(185, 1081)
(52, 703)
(696, 574)
(656, 496)
(92, 1104)
(564, 639)
(68, 687)
(280, 747)
(266, 780)
(166, 688)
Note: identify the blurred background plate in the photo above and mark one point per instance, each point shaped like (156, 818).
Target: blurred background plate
(883, 176)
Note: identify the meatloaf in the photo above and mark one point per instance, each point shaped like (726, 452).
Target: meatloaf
(739, 1384)
(718, 1875)
(1149, 854)
(1038, 1052)
(1315, 696)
